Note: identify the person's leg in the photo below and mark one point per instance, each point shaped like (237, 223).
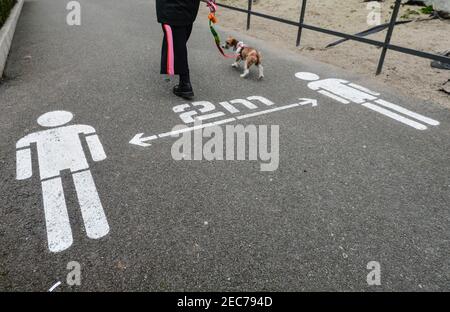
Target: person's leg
(167, 52)
(94, 218)
(188, 31)
(180, 50)
(59, 233)
(174, 57)
(185, 78)
(181, 35)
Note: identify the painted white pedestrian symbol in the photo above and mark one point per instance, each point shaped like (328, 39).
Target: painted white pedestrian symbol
(60, 148)
(346, 92)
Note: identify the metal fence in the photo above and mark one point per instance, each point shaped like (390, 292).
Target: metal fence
(385, 45)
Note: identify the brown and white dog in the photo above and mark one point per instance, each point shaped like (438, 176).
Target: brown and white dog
(249, 55)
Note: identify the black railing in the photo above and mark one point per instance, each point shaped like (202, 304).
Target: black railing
(385, 45)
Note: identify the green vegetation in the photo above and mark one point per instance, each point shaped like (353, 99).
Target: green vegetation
(5, 8)
(427, 10)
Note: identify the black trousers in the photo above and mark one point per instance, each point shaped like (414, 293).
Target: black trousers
(174, 54)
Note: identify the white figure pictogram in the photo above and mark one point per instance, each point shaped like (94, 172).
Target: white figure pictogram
(346, 92)
(60, 148)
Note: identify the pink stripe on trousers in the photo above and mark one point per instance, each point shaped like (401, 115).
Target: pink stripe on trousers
(170, 54)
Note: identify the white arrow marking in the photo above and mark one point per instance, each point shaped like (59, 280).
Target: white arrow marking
(203, 126)
(140, 141)
(311, 102)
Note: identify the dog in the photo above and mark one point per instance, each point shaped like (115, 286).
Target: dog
(249, 55)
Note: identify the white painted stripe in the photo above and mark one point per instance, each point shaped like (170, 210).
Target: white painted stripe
(334, 97)
(96, 148)
(23, 160)
(216, 123)
(150, 138)
(210, 116)
(59, 233)
(267, 111)
(363, 89)
(54, 286)
(221, 122)
(395, 116)
(409, 113)
(94, 217)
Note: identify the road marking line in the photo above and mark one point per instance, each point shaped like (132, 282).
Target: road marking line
(94, 217)
(138, 140)
(268, 111)
(150, 138)
(395, 116)
(225, 121)
(59, 147)
(363, 89)
(59, 232)
(334, 97)
(211, 124)
(409, 113)
(346, 92)
(54, 286)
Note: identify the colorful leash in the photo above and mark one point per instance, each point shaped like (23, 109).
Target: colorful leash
(213, 20)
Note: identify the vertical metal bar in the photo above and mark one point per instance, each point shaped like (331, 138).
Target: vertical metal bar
(388, 36)
(249, 14)
(302, 19)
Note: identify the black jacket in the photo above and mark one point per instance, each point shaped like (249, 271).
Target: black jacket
(177, 12)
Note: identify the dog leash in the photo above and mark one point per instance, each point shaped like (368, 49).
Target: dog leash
(213, 20)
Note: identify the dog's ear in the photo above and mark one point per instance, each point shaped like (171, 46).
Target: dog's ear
(234, 42)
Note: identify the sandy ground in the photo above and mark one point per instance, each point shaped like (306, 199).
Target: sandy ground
(411, 75)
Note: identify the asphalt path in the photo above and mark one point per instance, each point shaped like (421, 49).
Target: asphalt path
(353, 185)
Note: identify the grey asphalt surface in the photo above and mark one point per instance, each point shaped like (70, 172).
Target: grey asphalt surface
(353, 186)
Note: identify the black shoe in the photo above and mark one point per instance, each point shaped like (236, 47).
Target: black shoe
(184, 90)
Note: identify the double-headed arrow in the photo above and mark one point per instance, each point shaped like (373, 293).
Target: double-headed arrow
(140, 140)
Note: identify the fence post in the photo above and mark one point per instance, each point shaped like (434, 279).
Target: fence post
(249, 15)
(388, 36)
(302, 19)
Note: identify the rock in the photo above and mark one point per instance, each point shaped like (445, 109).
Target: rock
(442, 6)
(441, 65)
(446, 87)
